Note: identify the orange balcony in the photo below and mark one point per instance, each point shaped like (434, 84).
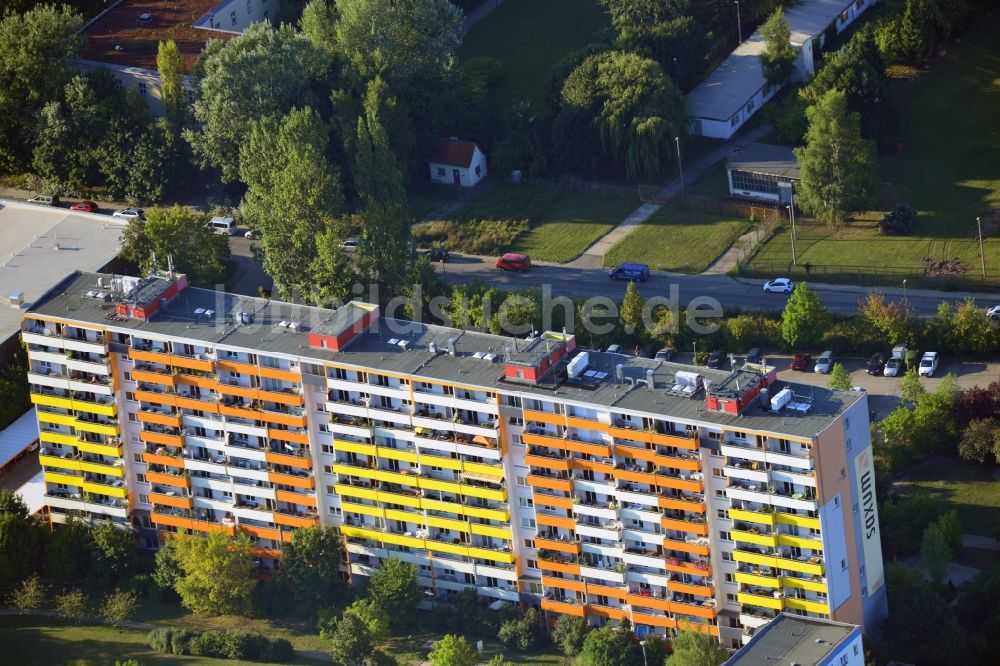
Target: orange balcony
(654, 620)
(690, 486)
(635, 477)
(534, 439)
(240, 412)
(209, 406)
(684, 526)
(293, 420)
(291, 480)
(648, 602)
(563, 485)
(562, 583)
(606, 612)
(695, 505)
(262, 532)
(181, 522)
(560, 567)
(604, 590)
(248, 392)
(630, 434)
(593, 466)
(685, 547)
(542, 499)
(553, 464)
(700, 627)
(288, 520)
(563, 608)
(705, 609)
(686, 588)
(283, 398)
(191, 363)
(678, 441)
(160, 479)
(295, 498)
(688, 568)
(687, 464)
(555, 521)
(571, 547)
(152, 377)
(282, 375)
(149, 357)
(150, 437)
(168, 461)
(169, 399)
(176, 501)
(586, 424)
(169, 420)
(577, 446)
(210, 382)
(301, 462)
(288, 435)
(270, 553)
(544, 417)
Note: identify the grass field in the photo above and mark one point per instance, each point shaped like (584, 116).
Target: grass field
(964, 487)
(561, 225)
(42, 641)
(678, 240)
(528, 37)
(411, 651)
(946, 168)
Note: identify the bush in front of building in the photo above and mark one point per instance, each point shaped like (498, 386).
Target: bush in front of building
(238, 644)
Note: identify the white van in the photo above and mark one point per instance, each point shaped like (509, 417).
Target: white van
(225, 226)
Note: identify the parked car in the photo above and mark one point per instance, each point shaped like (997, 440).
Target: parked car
(801, 361)
(715, 360)
(84, 207)
(630, 272)
(614, 349)
(928, 364)
(897, 360)
(876, 364)
(45, 200)
(129, 214)
(665, 354)
(349, 245)
(252, 234)
(755, 355)
(513, 261)
(824, 364)
(780, 286)
(994, 313)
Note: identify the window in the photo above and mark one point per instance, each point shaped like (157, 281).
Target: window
(479, 170)
(848, 443)
(141, 478)
(727, 556)
(144, 499)
(529, 543)
(845, 17)
(515, 439)
(137, 457)
(232, 17)
(143, 88)
(525, 501)
(722, 513)
(249, 7)
(720, 493)
(326, 448)
(836, 501)
(128, 376)
(843, 472)
(130, 396)
(327, 469)
(330, 491)
(521, 481)
(528, 523)
(730, 578)
(716, 471)
(118, 85)
(724, 535)
(855, 649)
(843, 660)
(535, 588)
(730, 597)
(132, 417)
(532, 564)
(733, 121)
(440, 171)
(843, 565)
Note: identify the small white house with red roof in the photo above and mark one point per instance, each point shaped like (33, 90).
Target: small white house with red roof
(458, 162)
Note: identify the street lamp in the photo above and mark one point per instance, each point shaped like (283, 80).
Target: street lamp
(982, 257)
(642, 644)
(791, 217)
(739, 23)
(680, 166)
(904, 291)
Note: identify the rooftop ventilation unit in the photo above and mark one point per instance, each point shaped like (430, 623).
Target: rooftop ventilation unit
(294, 326)
(650, 382)
(246, 318)
(451, 346)
(16, 298)
(404, 344)
(620, 373)
(576, 367)
(432, 348)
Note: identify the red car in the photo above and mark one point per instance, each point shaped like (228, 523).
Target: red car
(801, 362)
(514, 262)
(84, 207)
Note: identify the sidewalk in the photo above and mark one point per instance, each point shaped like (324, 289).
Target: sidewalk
(593, 256)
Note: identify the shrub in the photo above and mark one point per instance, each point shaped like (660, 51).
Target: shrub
(240, 644)
(484, 237)
(169, 640)
(899, 221)
(524, 633)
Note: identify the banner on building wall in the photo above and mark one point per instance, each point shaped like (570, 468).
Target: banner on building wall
(864, 469)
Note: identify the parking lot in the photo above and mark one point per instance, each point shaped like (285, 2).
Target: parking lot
(249, 273)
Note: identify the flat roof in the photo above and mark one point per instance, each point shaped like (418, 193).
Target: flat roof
(738, 78)
(41, 245)
(185, 317)
(793, 639)
(18, 436)
(765, 158)
(139, 40)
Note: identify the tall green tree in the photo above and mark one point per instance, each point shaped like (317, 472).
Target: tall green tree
(114, 554)
(170, 65)
(310, 564)
(935, 554)
(693, 648)
(36, 49)
(569, 633)
(393, 588)
(218, 573)
(840, 378)
(263, 73)
(921, 27)
(293, 197)
(837, 164)
(319, 24)
(632, 307)
(453, 651)
(630, 106)
(778, 56)
(70, 552)
(15, 397)
(351, 642)
(911, 388)
(981, 441)
(20, 540)
(183, 236)
(921, 627)
(804, 319)
(611, 646)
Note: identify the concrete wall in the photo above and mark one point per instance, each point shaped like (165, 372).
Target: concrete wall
(237, 15)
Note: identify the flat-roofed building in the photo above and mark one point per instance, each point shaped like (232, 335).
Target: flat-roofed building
(792, 639)
(762, 171)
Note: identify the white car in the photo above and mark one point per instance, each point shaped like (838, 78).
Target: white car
(349, 245)
(780, 285)
(893, 367)
(928, 364)
(128, 214)
(994, 313)
(252, 234)
(824, 364)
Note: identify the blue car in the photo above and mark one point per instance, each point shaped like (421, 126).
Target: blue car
(630, 272)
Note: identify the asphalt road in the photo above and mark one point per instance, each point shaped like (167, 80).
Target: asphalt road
(729, 292)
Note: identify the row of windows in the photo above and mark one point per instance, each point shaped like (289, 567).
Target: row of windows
(757, 182)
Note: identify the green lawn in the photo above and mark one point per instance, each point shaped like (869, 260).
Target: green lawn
(410, 651)
(964, 487)
(42, 641)
(561, 225)
(426, 197)
(528, 37)
(713, 185)
(946, 168)
(678, 240)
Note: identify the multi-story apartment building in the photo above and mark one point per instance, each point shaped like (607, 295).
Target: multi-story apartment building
(590, 484)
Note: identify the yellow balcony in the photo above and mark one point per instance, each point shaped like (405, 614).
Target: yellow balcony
(499, 515)
(110, 429)
(488, 470)
(755, 558)
(351, 507)
(759, 600)
(65, 479)
(102, 468)
(402, 499)
(103, 409)
(494, 555)
(813, 565)
(352, 470)
(57, 438)
(798, 521)
(396, 454)
(99, 449)
(489, 530)
(758, 539)
(395, 477)
(445, 547)
(811, 585)
(801, 542)
(103, 489)
(443, 523)
(752, 517)
(354, 447)
(806, 605)
(344, 490)
(55, 462)
(405, 516)
(52, 417)
(438, 461)
(51, 401)
(757, 579)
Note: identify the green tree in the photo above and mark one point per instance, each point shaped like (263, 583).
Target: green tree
(73, 606)
(293, 197)
(29, 596)
(310, 564)
(981, 441)
(632, 307)
(977, 606)
(804, 319)
(951, 528)
(120, 607)
(611, 646)
(20, 541)
(182, 235)
(263, 73)
(911, 389)
(218, 573)
(837, 164)
(893, 320)
(36, 49)
(517, 314)
(166, 570)
(398, 38)
(319, 24)
(170, 65)
(70, 551)
(525, 633)
(569, 633)
(375, 617)
(453, 651)
(935, 554)
(351, 642)
(114, 552)
(12, 504)
(935, 418)
(920, 29)
(393, 588)
(138, 161)
(966, 329)
(902, 521)
(778, 56)
(921, 627)
(840, 378)
(625, 108)
(693, 648)
(15, 397)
